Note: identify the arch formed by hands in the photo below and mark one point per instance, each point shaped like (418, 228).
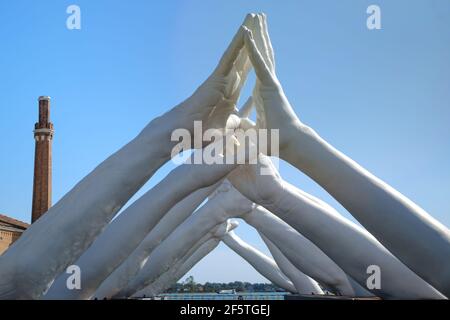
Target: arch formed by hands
(158, 237)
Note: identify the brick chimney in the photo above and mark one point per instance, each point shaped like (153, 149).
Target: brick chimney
(42, 182)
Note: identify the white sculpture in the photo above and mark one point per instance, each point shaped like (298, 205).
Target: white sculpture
(410, 233)
(130, 244)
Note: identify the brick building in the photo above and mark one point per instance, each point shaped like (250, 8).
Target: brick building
(10, 230)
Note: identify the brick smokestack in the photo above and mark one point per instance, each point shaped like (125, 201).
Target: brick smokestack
(42, 182)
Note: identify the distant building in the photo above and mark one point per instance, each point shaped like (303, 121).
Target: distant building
(10, 230)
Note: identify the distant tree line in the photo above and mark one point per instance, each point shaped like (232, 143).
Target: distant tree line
(190, 286)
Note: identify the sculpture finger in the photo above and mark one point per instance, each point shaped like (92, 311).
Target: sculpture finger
(261, 69)
(261, 41)
(229, 57)
(242, 66)
(268, 42)
(260, 112)
(240, 72)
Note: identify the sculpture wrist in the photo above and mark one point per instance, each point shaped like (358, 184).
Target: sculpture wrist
(282, 201)
(276, 198)
(158, 132)
(304, 148)
(207, 217)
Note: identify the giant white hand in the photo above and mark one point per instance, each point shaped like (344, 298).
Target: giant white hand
(229, 202)
(260, 182)
(216, 98)
(273, 108)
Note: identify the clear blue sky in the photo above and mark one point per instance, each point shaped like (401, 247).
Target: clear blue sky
(382, 97)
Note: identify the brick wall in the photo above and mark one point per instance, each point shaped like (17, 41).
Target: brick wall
(7, 238)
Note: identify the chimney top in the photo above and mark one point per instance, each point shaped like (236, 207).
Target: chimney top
(47, 98)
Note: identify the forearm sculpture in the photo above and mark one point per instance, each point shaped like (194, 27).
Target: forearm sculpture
(408, 231)
(180, 268)
(168, 260)
(261, 262)
(306, 256)
(203, 247)
(126, 232)
(350, 246)
(219, 208)
(119, 278)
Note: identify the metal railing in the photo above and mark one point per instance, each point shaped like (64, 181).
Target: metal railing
(220, 296)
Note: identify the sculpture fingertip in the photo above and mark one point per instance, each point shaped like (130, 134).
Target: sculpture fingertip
(249, 16)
